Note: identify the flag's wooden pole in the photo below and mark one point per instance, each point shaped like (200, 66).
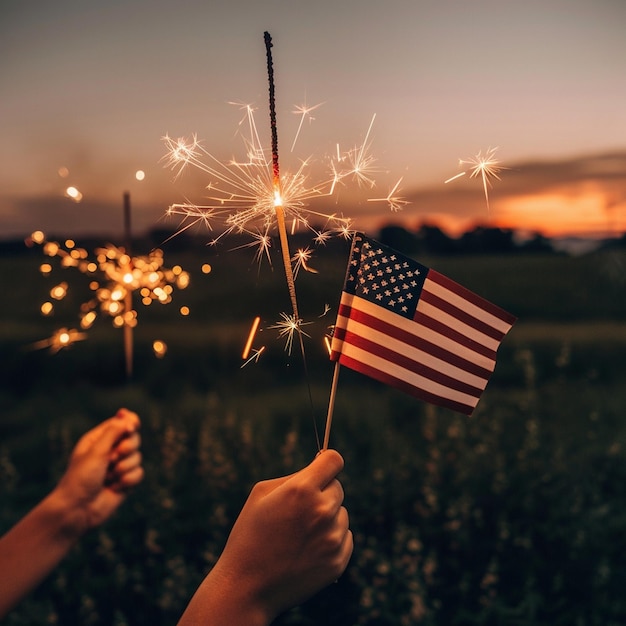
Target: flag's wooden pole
(333, 388)
(331, 406)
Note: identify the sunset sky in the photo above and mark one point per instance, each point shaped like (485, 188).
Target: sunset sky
(93, 86)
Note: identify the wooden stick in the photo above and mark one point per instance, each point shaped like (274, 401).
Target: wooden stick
(331, 406)
(128, 300)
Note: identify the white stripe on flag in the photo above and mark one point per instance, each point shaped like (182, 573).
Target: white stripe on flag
(420, 383)
(418, 330)
(467, 306)
(409, 352)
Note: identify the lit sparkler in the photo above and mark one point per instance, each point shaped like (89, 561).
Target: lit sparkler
(485, 166)
(245, 196)
(252, 196)
(114, 276)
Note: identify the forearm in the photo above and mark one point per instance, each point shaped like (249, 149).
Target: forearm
(222, 600)
(34, 546)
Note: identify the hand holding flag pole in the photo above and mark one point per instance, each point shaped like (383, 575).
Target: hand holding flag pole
(412, 328)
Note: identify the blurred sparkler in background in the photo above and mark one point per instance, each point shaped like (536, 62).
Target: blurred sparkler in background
(114, 275)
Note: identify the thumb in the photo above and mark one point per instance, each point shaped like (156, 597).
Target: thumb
(324, 468)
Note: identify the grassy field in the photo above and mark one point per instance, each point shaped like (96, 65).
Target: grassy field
(516, 515)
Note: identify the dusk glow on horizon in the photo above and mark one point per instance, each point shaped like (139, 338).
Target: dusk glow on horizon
(81, 128)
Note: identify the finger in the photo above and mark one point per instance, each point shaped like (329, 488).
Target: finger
(324, 468)
(102, 438)
(126, 481)
(126, 446)
(343, 520)
(112, 431)
(130, 417)
(126, 464)
(346, 551)
(334, 490)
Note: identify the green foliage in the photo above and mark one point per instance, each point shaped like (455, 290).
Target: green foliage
(514, 516)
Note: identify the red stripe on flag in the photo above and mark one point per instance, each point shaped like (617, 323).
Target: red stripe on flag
(395, 358)
(447, 331)
(470, 296)
(392, 381)
(416, 341)
(459, 314)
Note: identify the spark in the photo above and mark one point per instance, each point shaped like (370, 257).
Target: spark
(253, 329)
(182, 152)
(60, 339)
(74, 194)
(396, 203)
(287, 327)
(256, 355)
(301, 259)
(327, 343)
(486, 166)
(362, 161)
(304, 112)
(328, 338)
(262, 242)
(159, 348)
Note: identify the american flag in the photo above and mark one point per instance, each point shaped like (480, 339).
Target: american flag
(410, 327)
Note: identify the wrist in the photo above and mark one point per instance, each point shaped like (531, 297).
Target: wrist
(226, 600)
(66, 515)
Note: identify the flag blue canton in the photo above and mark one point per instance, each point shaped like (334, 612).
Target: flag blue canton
(384, 277)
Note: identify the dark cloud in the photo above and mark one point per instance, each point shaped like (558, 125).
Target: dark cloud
(63, 217)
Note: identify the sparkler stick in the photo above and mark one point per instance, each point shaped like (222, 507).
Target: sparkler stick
(128, 298)
(278, 201)
(280, 213)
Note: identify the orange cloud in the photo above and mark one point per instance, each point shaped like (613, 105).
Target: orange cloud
(582, 208)
(583, 196)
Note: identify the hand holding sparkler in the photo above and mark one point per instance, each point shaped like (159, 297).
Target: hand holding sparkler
(291, 539)
(104, 465)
